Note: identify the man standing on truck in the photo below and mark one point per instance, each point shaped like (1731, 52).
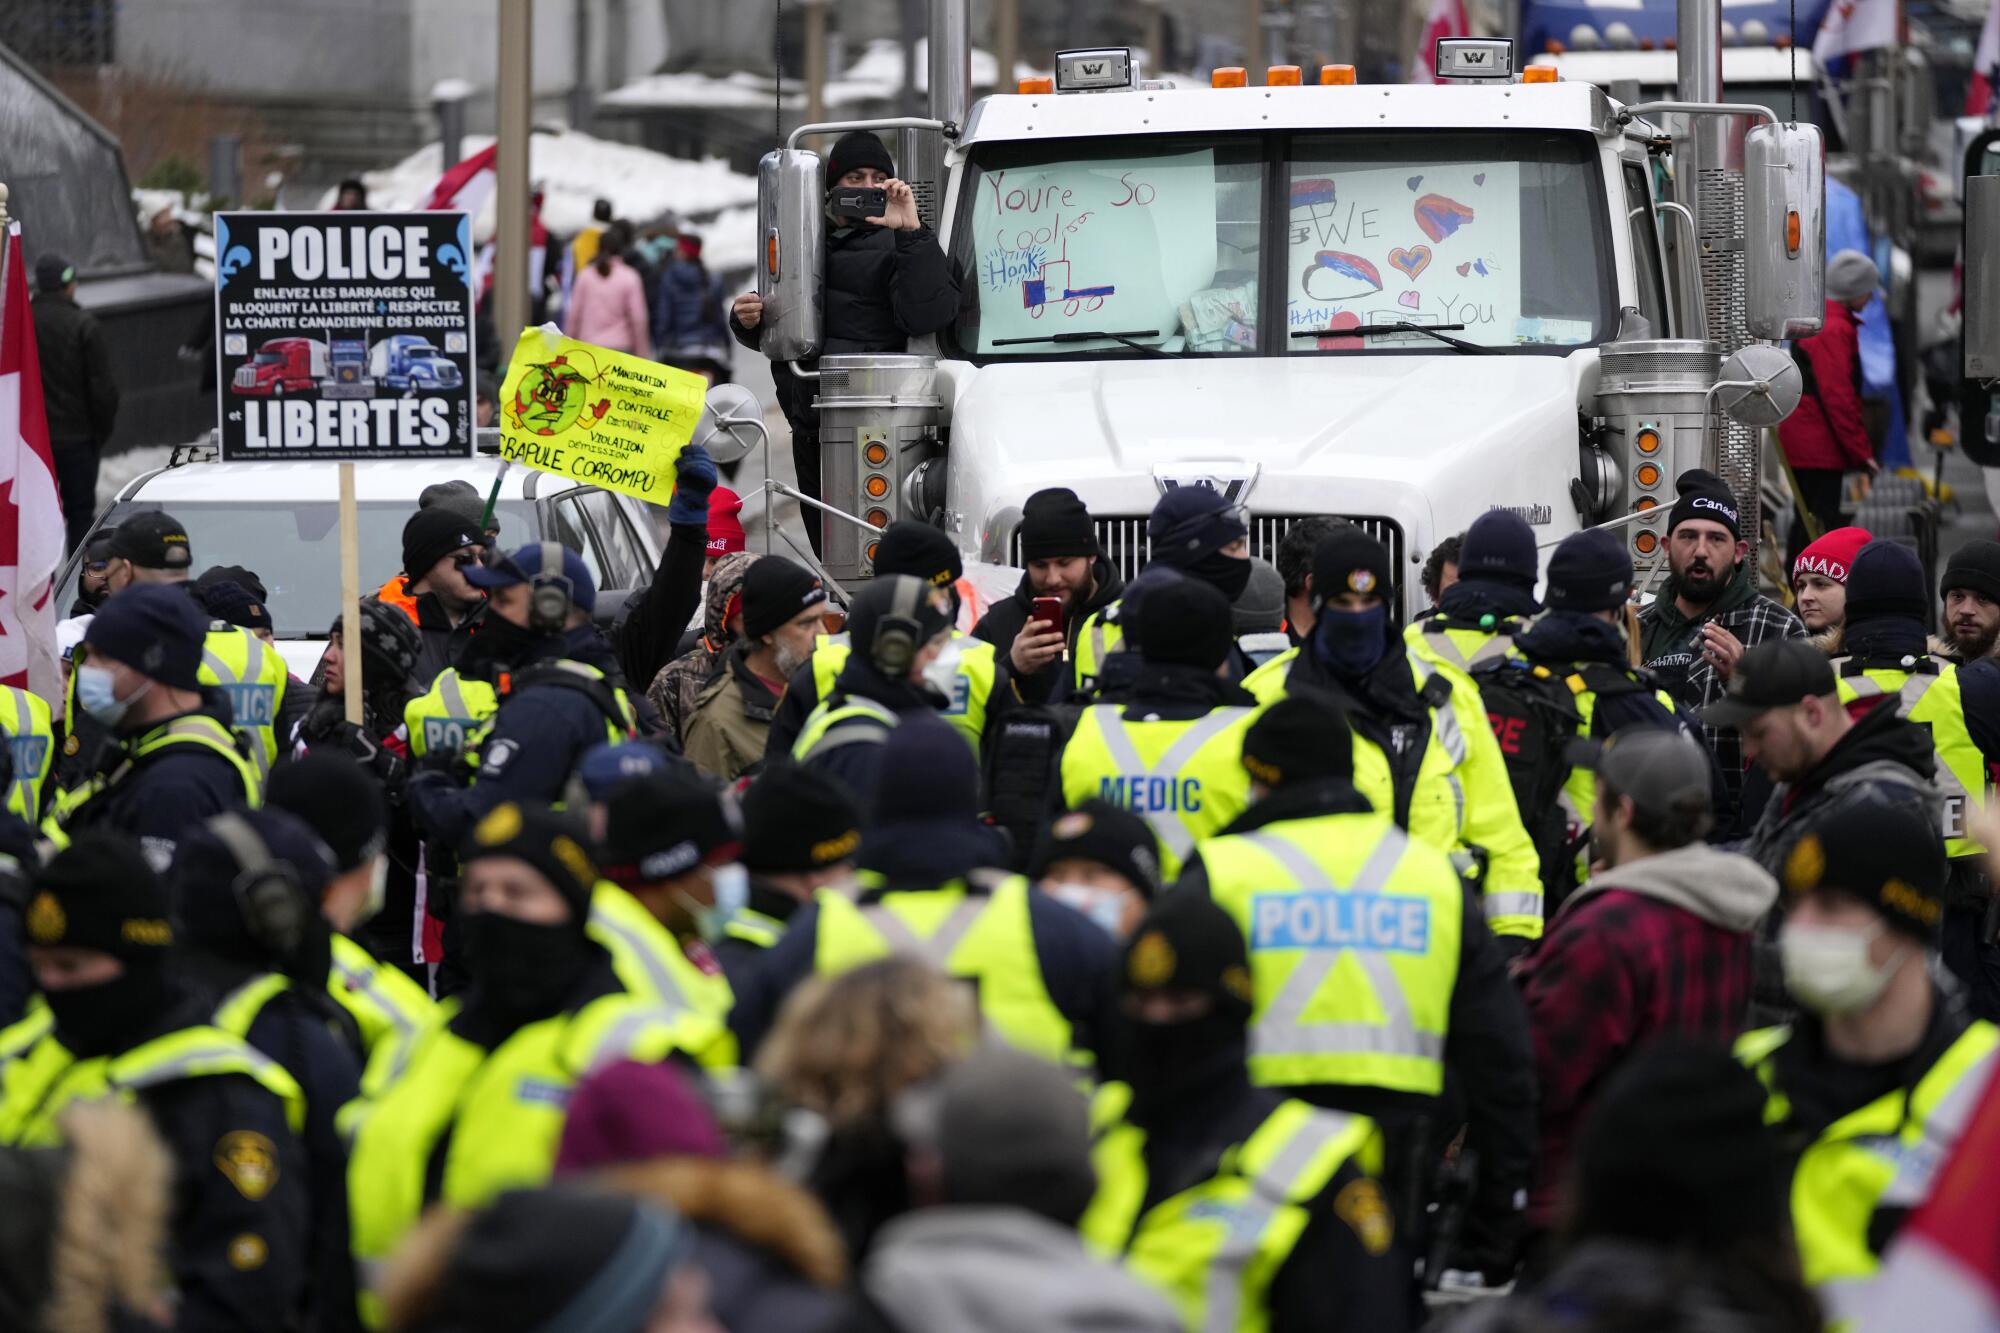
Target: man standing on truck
(1707, 613)
(886, 281)
(77, 389)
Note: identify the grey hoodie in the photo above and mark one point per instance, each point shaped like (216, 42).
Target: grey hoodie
(1003, 1270)
(1722, 888)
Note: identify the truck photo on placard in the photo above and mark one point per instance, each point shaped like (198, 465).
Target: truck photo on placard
(344, 336)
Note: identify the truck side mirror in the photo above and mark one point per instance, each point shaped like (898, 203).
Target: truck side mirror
(1982, 279)
(732, 421)
(791, 232)
(1784, 231)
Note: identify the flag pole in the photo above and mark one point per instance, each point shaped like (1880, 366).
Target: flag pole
(6, 249)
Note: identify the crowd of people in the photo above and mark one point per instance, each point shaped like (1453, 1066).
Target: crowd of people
(742, 960)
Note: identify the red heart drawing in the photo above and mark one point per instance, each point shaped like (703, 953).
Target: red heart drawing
(1411, 261)
(1465, 269)
(1412, 299)
(1343, 320)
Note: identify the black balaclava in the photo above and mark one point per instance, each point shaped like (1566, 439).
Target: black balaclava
(1187, 943)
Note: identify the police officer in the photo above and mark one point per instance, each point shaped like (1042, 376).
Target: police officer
(1424, 752)
(246, 887)
(927, 888)
(30, 731)
(1573, 660)
(440, 544)
(1103, 861)
(1870, 1088)
(899, 627)
(344, 806)
(670, 882)
(118, 1023)
(921, 551)
(1479, 615)
(177, 761)
(265, 703)
(1311, 1241)
(155, 550)
(1373, 972)
(1196, 532)
(477, 1104)
(1886, 663)
(1172, 751)
(556, 680)
(800, 834)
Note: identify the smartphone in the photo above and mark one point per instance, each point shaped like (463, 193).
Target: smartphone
(856, 201)
(1048, 610)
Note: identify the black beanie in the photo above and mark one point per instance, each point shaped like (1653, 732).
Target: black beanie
(661, 827)
(1885, 582)
(1499, 545)
(1589, 571)
(1106, 834)
(552, 843)
(340, 799)
(1186, 623)
(1675, 1152)
(434, 533)
(1888, 856)
(100, 893)
(919, 550)
(1351, 561)
(1188, 942)
(775, 590)
(1706, 496)
(215, 917)
(1300, 738)
(879, 598)
(796, 820)
(1055, 525)
(857, 148)
(1974, 566)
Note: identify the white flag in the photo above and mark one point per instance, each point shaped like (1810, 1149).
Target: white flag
(1855, 25)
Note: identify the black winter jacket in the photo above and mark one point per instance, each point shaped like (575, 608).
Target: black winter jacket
(78, 392)
(1003, 623)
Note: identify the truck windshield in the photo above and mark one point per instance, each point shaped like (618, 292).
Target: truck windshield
(1186, 244)
(294, 547)
(269, 358)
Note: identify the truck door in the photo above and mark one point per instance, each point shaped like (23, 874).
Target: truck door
(1649, 278)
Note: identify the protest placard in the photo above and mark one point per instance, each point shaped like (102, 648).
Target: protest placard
(598, 416)
(344, 336)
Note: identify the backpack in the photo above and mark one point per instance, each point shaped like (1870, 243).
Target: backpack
(1023, 762)
(1535, 717)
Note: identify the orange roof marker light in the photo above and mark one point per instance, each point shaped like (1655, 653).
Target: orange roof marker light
(1282, 76)
(1229, 76)
(1039, 84)
(1336, 75)
(1539, 74)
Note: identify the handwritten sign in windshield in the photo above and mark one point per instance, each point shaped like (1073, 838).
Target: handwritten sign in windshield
(1114, 244)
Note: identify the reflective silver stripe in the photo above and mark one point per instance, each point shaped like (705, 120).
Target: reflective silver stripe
(23, 719)
(1271, 1190)
(200, 1060)
(938, 948)
(1512, 904)
(1916, 1171)
(1446, 647)
(451, 692)
(1444, 726)
(618, 1038)
(1281, 1030)
(663, 982)
(225, 675)
(1124, 752)
(1911, 693)
(364, 983)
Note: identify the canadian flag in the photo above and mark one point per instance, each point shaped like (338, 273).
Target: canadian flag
(31, 518)
(467, 187)
(1855, 25)
(1447, 20)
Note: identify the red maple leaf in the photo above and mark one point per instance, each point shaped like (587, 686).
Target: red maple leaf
(10, 526)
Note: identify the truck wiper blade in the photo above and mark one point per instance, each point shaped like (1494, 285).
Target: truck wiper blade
(1399, 326)
(1088, 335)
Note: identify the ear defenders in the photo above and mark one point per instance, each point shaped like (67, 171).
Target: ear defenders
(551, 593)
(899, 634)
(268, 893)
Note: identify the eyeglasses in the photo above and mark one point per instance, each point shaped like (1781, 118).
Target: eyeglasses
(96, 566)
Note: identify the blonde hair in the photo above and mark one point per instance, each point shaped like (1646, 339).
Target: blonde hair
(845, 1046)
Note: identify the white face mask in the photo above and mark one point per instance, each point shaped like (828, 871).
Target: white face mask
(1106, 907)
(378, 890)
(942, 673)
(1827, 968)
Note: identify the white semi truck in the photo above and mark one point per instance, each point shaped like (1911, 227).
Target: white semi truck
(1404, 305)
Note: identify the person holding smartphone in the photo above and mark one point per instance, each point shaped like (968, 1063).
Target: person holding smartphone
(1067, 577)
(886, 281)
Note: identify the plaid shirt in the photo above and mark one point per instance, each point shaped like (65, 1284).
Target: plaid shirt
(1673, 650)
(1616, 971)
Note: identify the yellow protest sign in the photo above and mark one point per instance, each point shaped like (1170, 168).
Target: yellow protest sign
(601, 417)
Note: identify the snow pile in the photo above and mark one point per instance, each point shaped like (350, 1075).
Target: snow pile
(876, 76)
(574, 170)
(739, 90)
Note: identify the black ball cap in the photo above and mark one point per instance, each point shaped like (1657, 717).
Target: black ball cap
(153, 541)
(1774, 674)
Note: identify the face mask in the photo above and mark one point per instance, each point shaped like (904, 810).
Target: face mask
(1352, 642)
(503, 640)
(378, 892)
(1827, 968)
(942, 674)
(1106, 907)
(1229, 574)
(100, 1020)
(97, 695)
(1170, 1061)
(522, 968)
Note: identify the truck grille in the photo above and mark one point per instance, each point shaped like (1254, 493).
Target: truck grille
(1126, 546)
(246, 377)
